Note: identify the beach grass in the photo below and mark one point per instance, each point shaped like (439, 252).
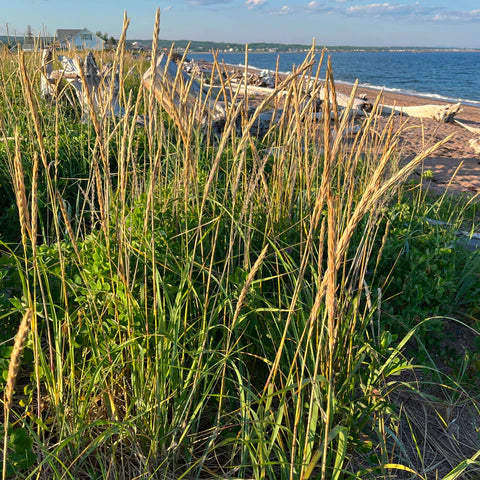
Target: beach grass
(219, 306)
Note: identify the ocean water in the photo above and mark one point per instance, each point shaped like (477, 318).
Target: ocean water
(451, 76)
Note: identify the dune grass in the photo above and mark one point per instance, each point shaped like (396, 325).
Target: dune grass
(201, 307)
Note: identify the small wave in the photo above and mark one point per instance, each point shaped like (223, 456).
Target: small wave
(402, 91)
(415, 93)
(433, 96)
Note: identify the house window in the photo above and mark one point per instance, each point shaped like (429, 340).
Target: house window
(86, 36)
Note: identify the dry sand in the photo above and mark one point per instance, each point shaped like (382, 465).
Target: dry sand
(423, 133)
(455, 166)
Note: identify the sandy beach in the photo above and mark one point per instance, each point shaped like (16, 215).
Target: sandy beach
(455, 156)
(424, 132)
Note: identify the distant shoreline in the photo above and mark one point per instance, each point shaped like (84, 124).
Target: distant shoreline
(353, 50)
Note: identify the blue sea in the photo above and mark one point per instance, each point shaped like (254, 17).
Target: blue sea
(449, 76)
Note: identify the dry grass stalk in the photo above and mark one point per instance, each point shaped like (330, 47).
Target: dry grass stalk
(20, 192)
(15, 357)
(68, 225)
(34, 209)
(28, 93)
(248, 283)
(18, 346)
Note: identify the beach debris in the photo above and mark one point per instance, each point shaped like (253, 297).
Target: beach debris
(266, 78)
(48, 85)
(95, 89)
(468, 127)
(182, 97)
(262, 78)
(360, 105)
(475, 144)
(193, 67)
(255, 89)
(439, 113)
(347, 132)
(188, 104)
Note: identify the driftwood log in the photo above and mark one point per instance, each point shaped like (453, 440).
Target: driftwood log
(468, 127)
(359, 106)
(475, 144)
(189, 106)
(440, 113)
(182, 96)
(95, 89)
(48, 85)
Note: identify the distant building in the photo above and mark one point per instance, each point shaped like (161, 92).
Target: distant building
(138, 47)
(81, 39)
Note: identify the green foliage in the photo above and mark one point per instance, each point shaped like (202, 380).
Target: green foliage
(20, 456)
(424, 270)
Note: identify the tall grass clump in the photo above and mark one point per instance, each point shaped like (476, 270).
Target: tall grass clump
(202, 304)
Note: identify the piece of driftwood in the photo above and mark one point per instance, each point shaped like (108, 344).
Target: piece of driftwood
(255, 89)
(467, 127)
(475, 144)
(440, 113)
(48, 85)
(181, 96)
(360, 105)
(94, 88)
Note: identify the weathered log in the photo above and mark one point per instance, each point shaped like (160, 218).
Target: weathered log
(440, 113)
(93, 88)
(181, 96)
(359, 106)
(88, 81)
(475, 144)
(48, 85)
(468, 127)
(256, 89)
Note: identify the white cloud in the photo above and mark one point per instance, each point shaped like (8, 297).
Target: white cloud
(413, 11)
(453, 16)
(255, 3)
(391, 9)
(377, 9)
(285, 10)
(315, 7)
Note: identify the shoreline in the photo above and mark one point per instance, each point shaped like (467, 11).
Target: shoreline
(431, 96)
(346, 87)
(455, 166)
(457, 158)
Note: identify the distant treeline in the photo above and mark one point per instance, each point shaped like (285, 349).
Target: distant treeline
(204, 46)
(198, 46)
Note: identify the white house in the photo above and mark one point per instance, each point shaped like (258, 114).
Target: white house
(81, 39)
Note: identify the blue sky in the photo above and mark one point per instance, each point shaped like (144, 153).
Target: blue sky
(332, 22)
